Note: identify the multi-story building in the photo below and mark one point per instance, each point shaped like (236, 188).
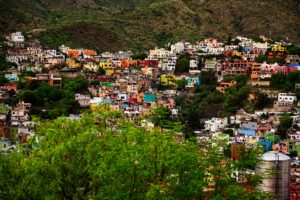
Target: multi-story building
(83, 99)
(210, 65)
(20, 112)
(168, 64)
(17, 37)
(289, 98)
(48, 78)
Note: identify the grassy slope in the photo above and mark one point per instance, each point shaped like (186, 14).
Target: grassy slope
(116, 24)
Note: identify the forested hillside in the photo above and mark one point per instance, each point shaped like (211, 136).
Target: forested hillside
(144, 24)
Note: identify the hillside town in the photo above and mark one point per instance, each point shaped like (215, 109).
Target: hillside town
(244, 91)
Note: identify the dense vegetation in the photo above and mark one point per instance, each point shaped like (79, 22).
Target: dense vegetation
(148, 23)
(50, 102)
(102, 156)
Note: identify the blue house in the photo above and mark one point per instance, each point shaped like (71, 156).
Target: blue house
(12, 77)
(247, 132)
(246, 49)
(149, 98)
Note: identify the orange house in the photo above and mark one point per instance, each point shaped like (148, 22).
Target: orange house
(224, 85)
(128, 63)
(255, 71)
(140, 98)
(73, 53)
(89, 53)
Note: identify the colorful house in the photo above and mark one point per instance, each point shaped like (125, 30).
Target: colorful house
(12, 77)
(73, 53)
(192, 82)
(71, 63)
(224, 85)
(89, 53)
(278, 47)
(128, 63)
(168, 79)
(149, 98)
(108, 67)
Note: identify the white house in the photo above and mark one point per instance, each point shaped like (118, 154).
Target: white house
(260, 45)
(64, 48)
(215, 124)
(96, 101)
(231, 47)
(193, 64)
(178, 47)
(83, 99)
(20, 112)
(210, 64)
(160, 53)
(124, 97)
(168, 64)
(194, 67)
(216, 50)
(287, 98)
(92, 66)
(17, 37)
(51, 52)
(174, 112)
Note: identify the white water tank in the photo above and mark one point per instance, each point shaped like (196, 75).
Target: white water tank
(275, 169)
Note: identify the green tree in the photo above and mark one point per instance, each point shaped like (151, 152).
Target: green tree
(208, 77)
(182, 64)
(241, 80)
(294, 153)
(95, 82)
(293, 49)
(261, 59)
(104, 156)
(278, 80)
(286, 122)
(139, 56)
(160, 116)
(55, 94)
(3, 80)
(181, 84)
(262, 100)
(100, 71)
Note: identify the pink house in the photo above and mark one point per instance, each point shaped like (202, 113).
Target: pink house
(275, 68)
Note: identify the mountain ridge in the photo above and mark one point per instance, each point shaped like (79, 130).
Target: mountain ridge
(148, 23)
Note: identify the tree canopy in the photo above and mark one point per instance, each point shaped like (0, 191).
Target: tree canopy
(103, 156)
(286, 122)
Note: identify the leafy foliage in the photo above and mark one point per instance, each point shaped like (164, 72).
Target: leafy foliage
(139, 56)
(286, 122)
(182, 64)
(262, 100)
(283, 82)
(50, 102)
(102, 156)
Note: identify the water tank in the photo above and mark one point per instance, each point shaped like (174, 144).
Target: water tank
(275, 169)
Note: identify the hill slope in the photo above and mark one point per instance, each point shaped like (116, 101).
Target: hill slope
(140, 24)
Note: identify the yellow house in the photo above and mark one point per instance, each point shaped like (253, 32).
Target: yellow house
(278, 47)
(168, 79)
(105, 64)
(237, 53)
(108, 67)
(71, 63)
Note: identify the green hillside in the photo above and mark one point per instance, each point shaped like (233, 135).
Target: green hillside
(140, 24)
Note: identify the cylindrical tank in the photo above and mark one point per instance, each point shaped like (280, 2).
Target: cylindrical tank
(275, 169)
